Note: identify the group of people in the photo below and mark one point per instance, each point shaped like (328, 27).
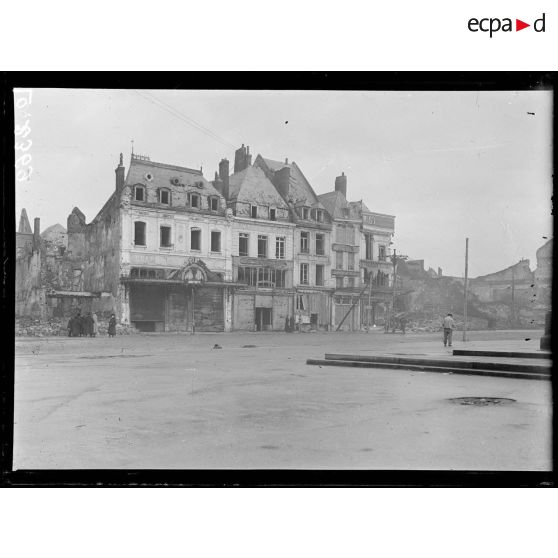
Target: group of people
(88, 325)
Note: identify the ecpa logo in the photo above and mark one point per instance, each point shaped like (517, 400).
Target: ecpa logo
(494, 24)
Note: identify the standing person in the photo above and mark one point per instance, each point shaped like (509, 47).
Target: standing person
(403, 322)
(82, 325)
(70, 326)
(88, 325)
(449, 326)
(76, 325)
(95, 324)
(112, 326)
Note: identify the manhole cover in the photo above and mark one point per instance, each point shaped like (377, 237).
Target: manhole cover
(482, 401)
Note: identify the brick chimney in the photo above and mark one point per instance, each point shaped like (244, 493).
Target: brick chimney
(341, 184)
(282, 181)
(224, 177)
(242, 158)
(36, 233)
(120, 174)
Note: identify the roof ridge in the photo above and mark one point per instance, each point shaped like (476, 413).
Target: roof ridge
(166, 166)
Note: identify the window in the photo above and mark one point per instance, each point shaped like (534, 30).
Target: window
(254, 211)
(368, 241)
(339, 282)
(320, 243)
(280, 247)
(300, 303)
(338, 260)
(215, 241)
(382, 253)
(164, 197)
(351, 282)
(320, 215)
(305, 213)
(262, 246)
(214, 204)
(243, 244)
(272, 214)
(139, 193)
(139, 233)
(351, 262)
(195, 239)
(304, 242)
(166, 237)
(319, 275)
(262, 276)
(194, 200)
(304, 274)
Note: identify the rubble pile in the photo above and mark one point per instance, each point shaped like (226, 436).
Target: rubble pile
(30, 327)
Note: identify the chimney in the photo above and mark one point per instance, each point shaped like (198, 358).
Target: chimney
(224, 177)
(120, 174)
(36, 233)
(24, 226)
(341, 184)
(242, 159)
(282, 181)
(218, 184)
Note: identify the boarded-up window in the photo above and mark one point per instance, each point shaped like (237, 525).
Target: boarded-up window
(319, 275)
(320, 244)
(195, 239)
(368, 241)
(243, 244)
(139, 233)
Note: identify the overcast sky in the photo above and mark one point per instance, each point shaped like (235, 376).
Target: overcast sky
(448, 165)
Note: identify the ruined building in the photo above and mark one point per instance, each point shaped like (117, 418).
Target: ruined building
(361, 268)
(172, 251)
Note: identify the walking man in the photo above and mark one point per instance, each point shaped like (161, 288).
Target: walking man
(449, 326)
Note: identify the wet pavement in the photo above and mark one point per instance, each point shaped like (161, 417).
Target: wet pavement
(175, 401)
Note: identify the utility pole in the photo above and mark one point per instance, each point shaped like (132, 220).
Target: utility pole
(392, 316)
(513, 297)
(466, 288)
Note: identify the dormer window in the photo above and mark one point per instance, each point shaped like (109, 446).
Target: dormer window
(305, 212)
(194, 200)
(320, 215)
(164, 196)
(272, 214)
(139, 193)
(254, 211)
(214, 204)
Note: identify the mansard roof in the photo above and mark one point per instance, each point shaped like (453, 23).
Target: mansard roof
(251, 185)
(163, 175)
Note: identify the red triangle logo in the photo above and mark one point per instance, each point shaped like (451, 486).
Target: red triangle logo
(519, 25)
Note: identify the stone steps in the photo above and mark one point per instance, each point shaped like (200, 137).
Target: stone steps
(477, 368)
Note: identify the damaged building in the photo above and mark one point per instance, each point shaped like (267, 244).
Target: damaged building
(312, 279)
(361, 268)
(171, 251)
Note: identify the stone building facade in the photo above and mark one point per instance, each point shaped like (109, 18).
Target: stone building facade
(172, 251)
